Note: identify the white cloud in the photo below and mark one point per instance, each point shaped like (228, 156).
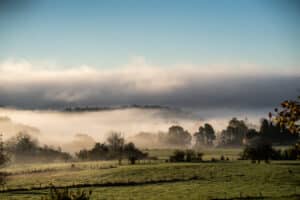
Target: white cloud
(23, 83)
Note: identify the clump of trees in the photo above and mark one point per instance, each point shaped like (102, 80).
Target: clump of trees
(234, 133)
(186, 156)
(115, 148)
(205, 135)
(257, 150)
(237, 133)
(132, 153)
(286, 128)
(292, 153)
(24, 148)
(3, 159)
(177, 136)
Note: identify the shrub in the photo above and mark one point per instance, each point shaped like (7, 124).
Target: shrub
(186, 156)
(65, 194)
(292, 153)
(178, 156)
(190, 155)
(257, 150)
(222, 157)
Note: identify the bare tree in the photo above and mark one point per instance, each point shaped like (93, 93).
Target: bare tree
(116, 145)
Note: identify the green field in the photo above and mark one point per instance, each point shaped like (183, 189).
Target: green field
(160, 180)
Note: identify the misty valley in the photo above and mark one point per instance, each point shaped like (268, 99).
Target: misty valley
(150, 100)
(89, 153)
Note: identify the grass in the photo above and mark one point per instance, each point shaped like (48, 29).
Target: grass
(207, 180)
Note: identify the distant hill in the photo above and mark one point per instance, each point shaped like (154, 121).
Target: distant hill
(107, 108)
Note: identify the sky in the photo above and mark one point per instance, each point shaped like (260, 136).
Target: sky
(205, 54)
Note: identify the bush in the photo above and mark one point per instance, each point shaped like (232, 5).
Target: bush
(222, 157)
(186, 156)
(292, 153)
(65, 194)
(257, 150)
(178, 156)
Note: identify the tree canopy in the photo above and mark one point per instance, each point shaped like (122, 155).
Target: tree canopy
(288, 115)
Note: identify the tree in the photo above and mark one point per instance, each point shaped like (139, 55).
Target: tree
(2, 154)
(200, 137)
(132, 153)
(276, 134)
(205, 135)
(83, 154)
(209, 133)
(3, 159)
(178, 136)
(289, 115)
(234, 133)
(258, 149)
(116, 144)
(251, 133)
(178, 156)
(99, 151)
(23, 147)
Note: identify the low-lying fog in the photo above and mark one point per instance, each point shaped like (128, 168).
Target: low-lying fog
(75, 130)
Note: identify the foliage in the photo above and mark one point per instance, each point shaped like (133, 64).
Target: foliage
(132, 153)
(258, 149)
(116, 145)
(3, 159)
(276, 133)
(234, 134)
(292, 153)
(116, 148)
(98, 152)
(178, 156)
(289, 115)
(65, 194)
(186, 156)
(178, 136)
(205, 135)
(24, 148)
(273, 133)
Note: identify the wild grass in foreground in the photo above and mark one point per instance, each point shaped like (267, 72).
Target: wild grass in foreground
(219, 180)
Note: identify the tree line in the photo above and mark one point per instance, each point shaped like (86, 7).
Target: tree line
(24, 148)
(237, 133)
(115, 148)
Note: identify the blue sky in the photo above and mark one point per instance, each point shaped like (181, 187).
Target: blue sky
(106, 34)
(227, 54)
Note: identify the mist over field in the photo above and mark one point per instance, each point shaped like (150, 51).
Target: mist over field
(76, 130)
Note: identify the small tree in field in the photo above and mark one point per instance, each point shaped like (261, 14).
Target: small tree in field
(205, 135)
(132, 153)
(289, 117)
(116, 145)
(258, 149)
(178, 156)
(3, 159)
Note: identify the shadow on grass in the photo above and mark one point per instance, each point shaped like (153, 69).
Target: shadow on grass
(287, 163)
(288, 197)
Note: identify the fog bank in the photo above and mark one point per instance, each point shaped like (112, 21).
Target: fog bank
(75, 130)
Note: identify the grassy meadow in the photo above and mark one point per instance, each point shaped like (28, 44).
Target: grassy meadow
(232, 179)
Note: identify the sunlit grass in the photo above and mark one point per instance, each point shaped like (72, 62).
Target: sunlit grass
(222, 179)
